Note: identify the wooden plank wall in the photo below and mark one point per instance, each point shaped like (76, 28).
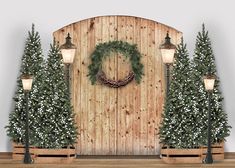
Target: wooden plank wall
(121, 121)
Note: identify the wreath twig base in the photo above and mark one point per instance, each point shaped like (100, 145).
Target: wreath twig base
(113, 83)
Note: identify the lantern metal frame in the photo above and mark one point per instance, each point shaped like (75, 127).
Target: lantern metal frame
(27, 156)
(167, 45)
(68, 45)
(209, 158)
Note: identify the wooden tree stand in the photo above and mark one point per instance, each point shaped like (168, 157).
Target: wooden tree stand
(18, 151)
(197, 155)
(39, 155)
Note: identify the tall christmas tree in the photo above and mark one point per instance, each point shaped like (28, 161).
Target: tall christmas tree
(203, 61)
(32, 63)
(58, 128)
(179, 125)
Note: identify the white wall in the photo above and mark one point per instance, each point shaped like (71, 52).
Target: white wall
(49, 15)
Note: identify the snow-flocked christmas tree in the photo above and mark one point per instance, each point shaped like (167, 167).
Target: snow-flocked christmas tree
(58, 128)
(204, 60)
(179, 126)
(32, 63)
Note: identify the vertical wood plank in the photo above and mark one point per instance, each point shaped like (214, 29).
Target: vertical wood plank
(105, 91)
(84, 89)
(113, 91)
(151, 62)
(136, 94)
(98, 93)
(129, 92)
(143, 85)
(121, 148)
(158, 83)
(91, 90)
(76, 92)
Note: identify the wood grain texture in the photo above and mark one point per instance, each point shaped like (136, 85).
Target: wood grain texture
(6, 155)
(117, 163)
(121, 121)
(196, 155)
(227, 156)
(40, 155)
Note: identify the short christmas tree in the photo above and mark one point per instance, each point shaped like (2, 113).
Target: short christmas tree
(32, 63)
(58, 128)
(203, 61)
(179, 125)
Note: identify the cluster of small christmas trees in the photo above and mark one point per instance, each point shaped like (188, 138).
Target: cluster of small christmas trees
(51, 120)
(185, 117)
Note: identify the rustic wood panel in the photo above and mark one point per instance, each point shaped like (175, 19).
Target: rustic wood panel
(91, 105)
(98, 94)
(122, 121)
(84, 89)
(143, 88)
(120, 162)
(129, 98)
(113, 92)
(40, 155)
(121, 106)
(76, 78)
(8, 155)
(151, 117)
(196, 155)
(136, 95)
(105, 98)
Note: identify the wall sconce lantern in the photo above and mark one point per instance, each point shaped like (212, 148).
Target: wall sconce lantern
(167, 51)
(27, 81)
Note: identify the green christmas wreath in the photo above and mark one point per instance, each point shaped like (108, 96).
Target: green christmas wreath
(103, 50)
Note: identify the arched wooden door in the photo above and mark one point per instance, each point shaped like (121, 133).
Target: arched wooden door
(118, 121)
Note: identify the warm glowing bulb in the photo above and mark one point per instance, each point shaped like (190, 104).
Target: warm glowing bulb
(27, 83)
(209, 84)
(168, 55)
(68, 55)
